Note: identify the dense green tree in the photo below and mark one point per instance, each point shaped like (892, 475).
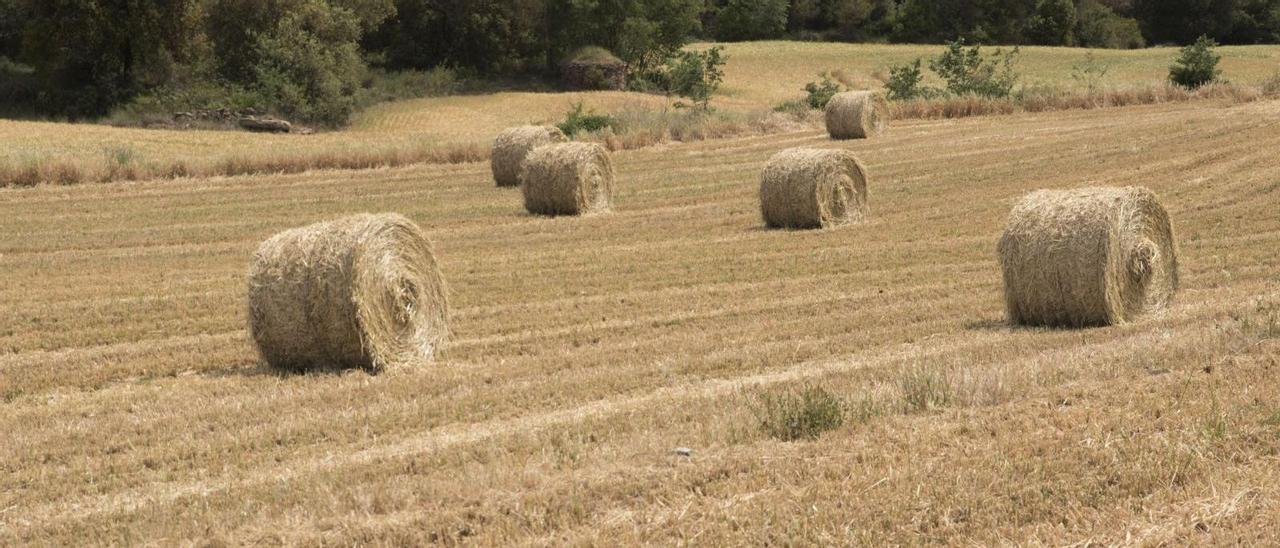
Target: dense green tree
(627, 27)
(981, 21)
(751, 19)
(490, 36)
(12, 17)
(89, 55)
(1099, 26)
(1181, 21)
(302, 57)
(1052, 23)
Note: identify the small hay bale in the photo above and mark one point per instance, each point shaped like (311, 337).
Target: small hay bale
(813, 188)
(1087, 257)
(512, 146)
(568, 179)
(361, 291)
(856, 115)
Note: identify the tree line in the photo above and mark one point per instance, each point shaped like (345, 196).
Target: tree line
(311, 59)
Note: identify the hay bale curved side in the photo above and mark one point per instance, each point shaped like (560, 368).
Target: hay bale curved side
(1087, 257)
(361, 291)
(856, 115)
(568, 179)
(813, 188)
(512, 146)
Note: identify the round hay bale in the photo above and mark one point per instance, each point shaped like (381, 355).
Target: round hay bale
(856, 115)
(1087, 257)
(512, 146)
(361, 291)
(813, 188)
(568, 179)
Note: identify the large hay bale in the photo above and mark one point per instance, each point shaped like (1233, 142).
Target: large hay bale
(1087, 257)
(360, 291)
(813, 188)
(512, 146)
(856, 115)
(568, 179)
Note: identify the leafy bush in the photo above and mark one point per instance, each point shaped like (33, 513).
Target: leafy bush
(579, 120)
(696, 75)
(803, 414)
(820, 93)
(968, 73)
(1196, 65)
(904, 83)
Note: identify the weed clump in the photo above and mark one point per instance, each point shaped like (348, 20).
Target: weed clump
(799, 414)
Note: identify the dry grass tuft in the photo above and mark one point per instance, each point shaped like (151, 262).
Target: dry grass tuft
(512, 146)
(568, 179)
(799, 414)
(813, 188)
(361, 291)
(856, 115)
(1084, 257)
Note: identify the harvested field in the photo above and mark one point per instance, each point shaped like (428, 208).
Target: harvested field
(584, 350)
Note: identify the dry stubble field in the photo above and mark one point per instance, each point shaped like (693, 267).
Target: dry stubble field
(585, 350)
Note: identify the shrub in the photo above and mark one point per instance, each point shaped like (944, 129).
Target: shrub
(968, 73)
(1090, 72)
(696, 75)
(803, 414)
(1196, 65)
(820, 93)
(904, 83)
(579, 120)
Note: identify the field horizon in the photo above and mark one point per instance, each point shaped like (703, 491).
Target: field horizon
(758, 77)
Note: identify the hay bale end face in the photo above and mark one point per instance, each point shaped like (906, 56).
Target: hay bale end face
(512, 146)
(568, 179)
(1087, 257)
(813, 188)
(856, 115)
(358, 292)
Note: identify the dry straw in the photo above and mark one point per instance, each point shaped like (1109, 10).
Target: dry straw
(856, 115)
(1087, 257)
(512, 146)
(568, 179)
(813, 188)
(361, 291)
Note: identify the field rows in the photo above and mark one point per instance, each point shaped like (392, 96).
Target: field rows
(586, 349)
